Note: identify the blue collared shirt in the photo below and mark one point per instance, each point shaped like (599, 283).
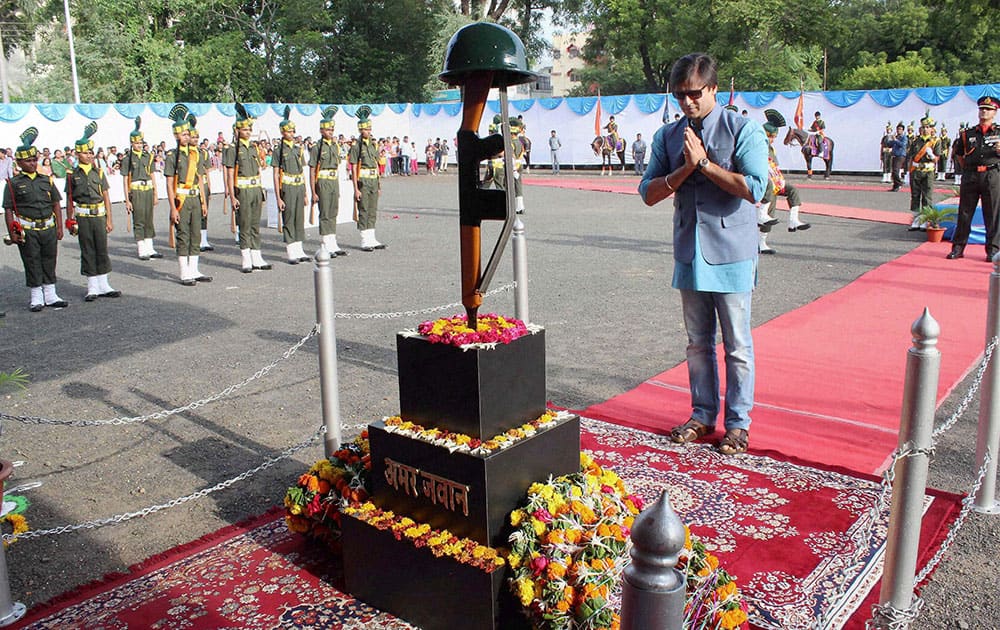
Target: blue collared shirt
(750, 159)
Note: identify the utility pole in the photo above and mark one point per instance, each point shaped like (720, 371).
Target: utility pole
(3, 70)
(72, 54)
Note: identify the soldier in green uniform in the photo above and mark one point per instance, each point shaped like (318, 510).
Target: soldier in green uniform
(885, 153)
(290, 186)
(921, 158)
(185, 171)
(35, 224)
(245, 191)
(140, 192)
(324, 160)
(495, 170)
(88, 204)
(363, 162)
(943, 152)
(206, 160)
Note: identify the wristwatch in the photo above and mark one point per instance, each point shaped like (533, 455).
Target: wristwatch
(702, 163)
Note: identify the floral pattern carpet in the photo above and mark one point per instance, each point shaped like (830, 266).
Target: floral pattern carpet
(795, 537)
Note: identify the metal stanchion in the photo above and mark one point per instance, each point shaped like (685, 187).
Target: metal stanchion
(10, 611)
(519, 246)
(653, 590)
(325, 315)
(988, 436)
(923, 362)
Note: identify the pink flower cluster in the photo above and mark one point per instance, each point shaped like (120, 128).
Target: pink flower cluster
(455, 331)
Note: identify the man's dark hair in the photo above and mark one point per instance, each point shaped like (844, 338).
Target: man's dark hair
(695, 64)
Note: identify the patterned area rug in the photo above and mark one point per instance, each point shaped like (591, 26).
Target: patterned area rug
(789, 534)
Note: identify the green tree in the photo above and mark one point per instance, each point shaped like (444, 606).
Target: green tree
(910, 70)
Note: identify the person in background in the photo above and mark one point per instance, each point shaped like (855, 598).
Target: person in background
(899, 145)
(140, 193)
(979, 157)
(639, 154)
(921, 158)
(554, 145)
(34, 220)
(88, 209)
(363, 163)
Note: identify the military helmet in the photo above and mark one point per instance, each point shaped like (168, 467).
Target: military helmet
(774, 121)
(927, 121)
(486, 47)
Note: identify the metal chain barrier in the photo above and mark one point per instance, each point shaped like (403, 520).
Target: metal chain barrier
(170, 412)
(153, 509)
(426, 311)
(229, 391)
(879, 512)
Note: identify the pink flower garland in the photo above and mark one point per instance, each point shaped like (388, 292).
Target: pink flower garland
(491, 328)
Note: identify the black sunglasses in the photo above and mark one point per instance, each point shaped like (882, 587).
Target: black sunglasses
(694, 95)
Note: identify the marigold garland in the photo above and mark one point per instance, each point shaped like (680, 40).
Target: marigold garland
(490, 329)
(459, 442)
(570, 546)
(18, 523)
(312, 506)
(439, 542)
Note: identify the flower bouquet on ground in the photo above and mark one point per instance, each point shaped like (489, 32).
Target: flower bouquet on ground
(490, 329)
(570, 546)
(713, 600)
(312, 506)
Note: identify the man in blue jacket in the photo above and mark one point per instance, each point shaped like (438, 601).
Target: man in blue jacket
(714, 163)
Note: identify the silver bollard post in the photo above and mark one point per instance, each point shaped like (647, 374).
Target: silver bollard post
(325, 315)
(988, 435)
(10, 611)
(519, 246)
(923, 363)
(654, 590)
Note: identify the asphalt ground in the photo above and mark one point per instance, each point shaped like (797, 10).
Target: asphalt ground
(599, 274)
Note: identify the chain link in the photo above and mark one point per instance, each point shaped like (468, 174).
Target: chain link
(121, 518)
(879, 512)
(970, 395)
(888, 617)
(967, 503)
(176, 410)
(426, 311)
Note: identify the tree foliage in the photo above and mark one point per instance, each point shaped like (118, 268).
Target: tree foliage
(392, 50)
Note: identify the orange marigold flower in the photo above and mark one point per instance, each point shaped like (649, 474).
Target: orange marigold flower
(555, 570)
(712, 561)
(726, 590)
(732, 619)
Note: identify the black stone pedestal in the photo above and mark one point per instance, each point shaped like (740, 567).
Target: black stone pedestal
(479, 392)
(430, 592)
(469, 496)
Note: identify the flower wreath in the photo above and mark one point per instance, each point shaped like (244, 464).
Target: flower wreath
(571, 544)
(312, 506)
(490, 329)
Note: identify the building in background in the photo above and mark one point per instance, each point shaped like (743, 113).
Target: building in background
(567, 58)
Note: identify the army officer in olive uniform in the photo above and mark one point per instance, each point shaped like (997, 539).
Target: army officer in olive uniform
(89, 205)
(246, 192)
(324, 158)
(363, 161)
(35, 224)
(140, 193)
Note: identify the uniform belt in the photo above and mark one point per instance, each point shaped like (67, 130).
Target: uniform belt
(247, 182)
(982, 168)
(187, 192)
(368, 172)
(89, 209)
(291, 179)
(924, 167)
(327, 173)
(37, 224)
(141, 184)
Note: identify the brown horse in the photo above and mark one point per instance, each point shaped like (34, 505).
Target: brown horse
(606, 146)
(812, 146)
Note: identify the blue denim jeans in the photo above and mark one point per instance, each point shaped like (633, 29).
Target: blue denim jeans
(702, 311)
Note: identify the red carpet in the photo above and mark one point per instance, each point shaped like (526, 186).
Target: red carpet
(629, 186)
(783, 529)
(830, 374)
